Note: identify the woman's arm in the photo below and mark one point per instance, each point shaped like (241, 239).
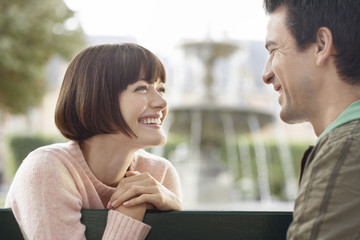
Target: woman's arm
(45, 201)
(47, 196)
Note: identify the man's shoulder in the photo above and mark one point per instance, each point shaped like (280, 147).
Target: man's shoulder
(328, 181)
(340, 141)
(343, 133)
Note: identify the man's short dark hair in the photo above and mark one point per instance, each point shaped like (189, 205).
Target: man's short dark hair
(342, 17)
(88, 102)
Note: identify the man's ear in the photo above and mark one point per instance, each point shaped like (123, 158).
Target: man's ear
(324, 43)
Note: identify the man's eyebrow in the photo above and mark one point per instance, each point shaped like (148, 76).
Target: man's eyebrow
(269, 43)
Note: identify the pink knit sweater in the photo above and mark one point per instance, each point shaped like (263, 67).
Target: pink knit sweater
(54, 183)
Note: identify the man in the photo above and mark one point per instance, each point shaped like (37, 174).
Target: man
(314, 65)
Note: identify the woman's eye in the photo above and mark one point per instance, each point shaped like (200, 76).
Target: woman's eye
(162, 90)
(141, 88)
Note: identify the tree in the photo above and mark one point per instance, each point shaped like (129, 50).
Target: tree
(31, 32)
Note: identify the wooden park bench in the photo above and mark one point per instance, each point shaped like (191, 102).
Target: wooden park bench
(181, 225)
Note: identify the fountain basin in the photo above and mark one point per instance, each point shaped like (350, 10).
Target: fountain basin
(213, 117)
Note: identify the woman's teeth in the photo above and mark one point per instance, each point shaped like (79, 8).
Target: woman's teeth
(151, 120)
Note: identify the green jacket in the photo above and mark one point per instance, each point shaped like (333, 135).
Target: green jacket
(328, 203)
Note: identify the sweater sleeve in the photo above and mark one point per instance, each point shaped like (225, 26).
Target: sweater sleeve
(46, 199)
(122, 227)
(160, 168)
(171, 180)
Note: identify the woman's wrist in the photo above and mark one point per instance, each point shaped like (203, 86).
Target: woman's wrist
(136, 212)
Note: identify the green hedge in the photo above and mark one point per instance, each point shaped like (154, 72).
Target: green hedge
(22, 145)
(274, 164)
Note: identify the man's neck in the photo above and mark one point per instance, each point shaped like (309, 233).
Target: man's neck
(334, 101)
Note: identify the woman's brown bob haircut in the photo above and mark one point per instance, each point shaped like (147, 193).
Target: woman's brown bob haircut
(88, 102)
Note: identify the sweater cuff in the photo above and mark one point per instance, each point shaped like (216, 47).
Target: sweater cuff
(122, 227)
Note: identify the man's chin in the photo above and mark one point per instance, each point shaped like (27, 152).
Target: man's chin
(289, 118)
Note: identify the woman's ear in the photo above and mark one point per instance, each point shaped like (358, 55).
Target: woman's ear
(324, 43)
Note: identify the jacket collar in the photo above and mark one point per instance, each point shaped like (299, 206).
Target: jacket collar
(350, 114)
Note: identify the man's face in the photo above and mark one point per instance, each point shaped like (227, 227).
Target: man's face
(289, 70)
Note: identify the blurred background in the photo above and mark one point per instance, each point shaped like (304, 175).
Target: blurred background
(225, 138)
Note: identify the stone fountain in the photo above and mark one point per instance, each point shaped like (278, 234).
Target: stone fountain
(211, 112)
(209, 125)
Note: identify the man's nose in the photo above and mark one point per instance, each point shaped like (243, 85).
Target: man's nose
(268, 74)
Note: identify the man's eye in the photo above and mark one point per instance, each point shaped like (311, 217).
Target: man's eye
(141, 88)
(271, 51)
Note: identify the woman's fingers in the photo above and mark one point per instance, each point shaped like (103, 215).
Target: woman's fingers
(128, 183)
(133, 192)
(128, 191)
(143, 198)
(133, 177)
(123, 186)
(131, 173)
(159, 196)
(139, 188)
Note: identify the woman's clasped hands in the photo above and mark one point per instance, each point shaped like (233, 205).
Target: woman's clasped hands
(137, 192)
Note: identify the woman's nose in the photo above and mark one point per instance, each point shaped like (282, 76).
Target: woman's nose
(158, 100)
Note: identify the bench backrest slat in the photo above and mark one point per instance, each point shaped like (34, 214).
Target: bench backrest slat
(176, 225)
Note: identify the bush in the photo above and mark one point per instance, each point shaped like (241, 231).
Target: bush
(275, 167)
(21, 146)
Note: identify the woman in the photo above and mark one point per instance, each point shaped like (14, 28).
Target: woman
(111, 105)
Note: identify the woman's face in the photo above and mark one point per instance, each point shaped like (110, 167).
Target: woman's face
(144, 109)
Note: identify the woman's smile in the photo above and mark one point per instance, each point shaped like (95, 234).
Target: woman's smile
(154, 120)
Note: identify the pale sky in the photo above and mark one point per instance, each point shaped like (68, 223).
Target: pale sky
(162, 24)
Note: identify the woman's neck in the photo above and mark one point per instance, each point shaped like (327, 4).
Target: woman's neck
(107, 157)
